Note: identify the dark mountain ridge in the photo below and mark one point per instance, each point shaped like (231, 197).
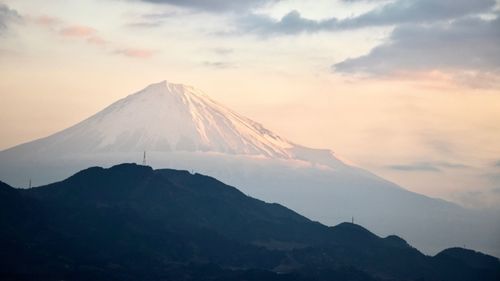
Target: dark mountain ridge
(131, 222)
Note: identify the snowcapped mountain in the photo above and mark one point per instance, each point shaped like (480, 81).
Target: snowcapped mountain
(182, 128)
(171, 117)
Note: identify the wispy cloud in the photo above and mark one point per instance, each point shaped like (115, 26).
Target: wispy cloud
(78, 31)
(135, 52)
(425, 167)
(437, 166)
(90, 36)
(46, 21)
(7, 16)
(486, 199)
(418, 12)
(218, 64)
(290, 24)
(223, 51)
(97, 40)
(151, 20)
(145, 23)
(83, 32)
(215, 6)
(437, 142)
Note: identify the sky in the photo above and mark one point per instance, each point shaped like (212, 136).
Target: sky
(408, 89)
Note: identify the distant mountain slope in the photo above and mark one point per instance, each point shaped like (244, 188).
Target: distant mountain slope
(180, 127)
(131, 222)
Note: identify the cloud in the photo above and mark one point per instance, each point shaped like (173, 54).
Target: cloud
(418, 11)
(393, 13)
(497, 164)
(218, 64)
(90, 36)
(469, 44)
(135, 52)
(146, 23)
(151, 20)
(46, 21)
(437, 143)
(96, 40)
(356, 1)
(437, 166)
(83, 32)
(424, 167)
(451, 165)
(291, 23)
(7, 16)
(215, 5)
(78, 31)
(424, 33)
(223, 51)
(493, 177)
(486, 199)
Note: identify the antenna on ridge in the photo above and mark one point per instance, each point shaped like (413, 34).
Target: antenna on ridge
(144, 158)
(352, 220)
(30, 184)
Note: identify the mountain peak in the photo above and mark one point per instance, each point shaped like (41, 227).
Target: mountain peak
(163, 89)
(166, 87)
(168, 117)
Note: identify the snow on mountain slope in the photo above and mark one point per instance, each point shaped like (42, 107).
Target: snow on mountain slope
(182, 128)
(171, 117)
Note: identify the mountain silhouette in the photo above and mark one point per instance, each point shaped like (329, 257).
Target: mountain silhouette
(131, 222)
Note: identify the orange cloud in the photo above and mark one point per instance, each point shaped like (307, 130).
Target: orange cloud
(136, 52)
(97, 40)
(90, 35)
(46, 21)
(78, 31)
